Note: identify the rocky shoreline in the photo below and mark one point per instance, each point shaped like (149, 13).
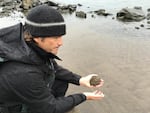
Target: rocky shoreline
(125, 14)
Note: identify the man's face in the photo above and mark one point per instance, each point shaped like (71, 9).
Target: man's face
(49, 44)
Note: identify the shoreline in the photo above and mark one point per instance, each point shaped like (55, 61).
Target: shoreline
(17, 10)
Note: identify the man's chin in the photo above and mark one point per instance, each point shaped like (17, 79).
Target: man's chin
(52, 52)
(55, 53)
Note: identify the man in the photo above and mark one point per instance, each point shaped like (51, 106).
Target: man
(30, 78)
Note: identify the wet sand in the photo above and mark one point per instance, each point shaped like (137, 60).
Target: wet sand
(116, 51)
(119, 53)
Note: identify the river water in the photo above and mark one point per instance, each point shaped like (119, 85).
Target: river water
(108, 4)
(111, 6)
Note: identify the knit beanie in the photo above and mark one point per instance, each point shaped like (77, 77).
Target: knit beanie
(45, 21)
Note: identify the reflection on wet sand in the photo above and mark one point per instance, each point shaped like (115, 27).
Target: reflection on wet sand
(119, 54)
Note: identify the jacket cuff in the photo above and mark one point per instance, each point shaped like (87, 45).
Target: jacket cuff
(77, 79)
(78, 98)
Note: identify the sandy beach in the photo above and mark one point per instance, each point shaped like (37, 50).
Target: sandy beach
(116, 51)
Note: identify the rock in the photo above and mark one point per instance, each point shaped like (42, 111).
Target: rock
(138, 7)
(27, 4)
(72, 8)
(137, 28)
(67, 9)
(131, 14)
(142, 25)
(4, 14)
(6, 2)
(95, 80)
(81, 14)
(93, 16)
(8, 6)
(50, 3)
(148, 22)
(79, 5)
(102, 12)
(113, 18)
(148, 16)
(148, 28)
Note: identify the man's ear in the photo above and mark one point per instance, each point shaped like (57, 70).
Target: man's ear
(37, 39)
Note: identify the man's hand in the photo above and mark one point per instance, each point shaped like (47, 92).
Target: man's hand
(85, 81)
(96, 95)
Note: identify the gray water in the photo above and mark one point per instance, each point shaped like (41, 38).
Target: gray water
(99, 23)
(105, 25)
(112, 5)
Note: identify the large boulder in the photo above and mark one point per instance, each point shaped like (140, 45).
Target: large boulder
(131, 14)
(81, 14)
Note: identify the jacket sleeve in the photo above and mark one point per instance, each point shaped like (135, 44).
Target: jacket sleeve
(33, 91)
(65, 74)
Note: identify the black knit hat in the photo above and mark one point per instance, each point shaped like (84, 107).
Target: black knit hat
(45, 21)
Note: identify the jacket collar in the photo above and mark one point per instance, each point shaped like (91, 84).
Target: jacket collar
(43, 54)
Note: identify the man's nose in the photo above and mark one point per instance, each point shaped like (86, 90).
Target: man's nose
(60, 41)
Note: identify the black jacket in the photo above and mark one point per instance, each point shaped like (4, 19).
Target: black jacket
(24, 76)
